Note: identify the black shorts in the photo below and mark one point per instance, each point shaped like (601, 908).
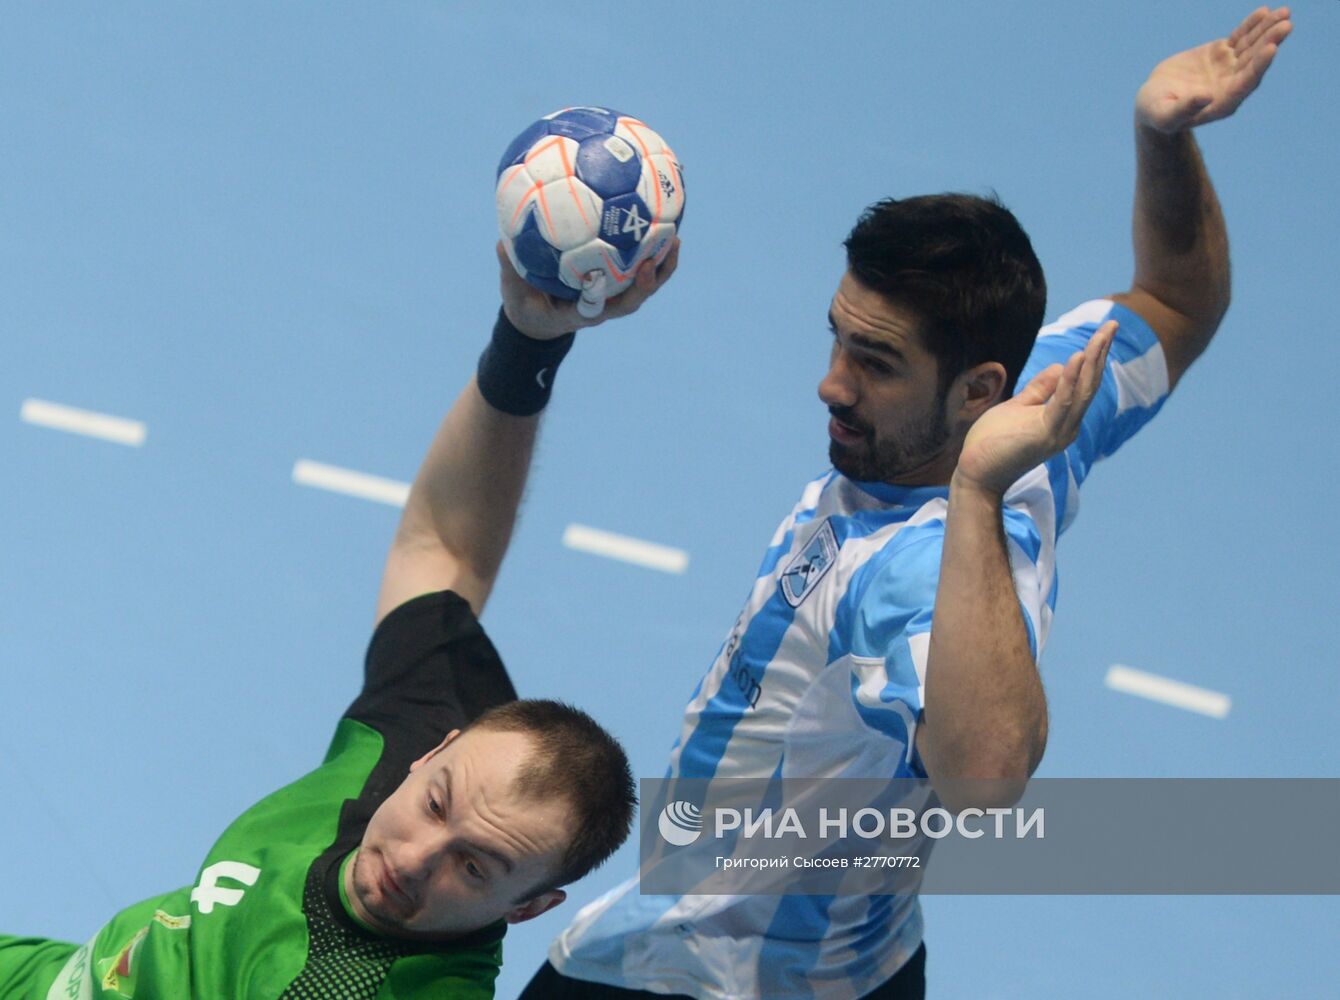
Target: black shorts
(908, 983)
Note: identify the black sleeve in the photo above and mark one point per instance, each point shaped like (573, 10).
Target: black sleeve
(430, 669)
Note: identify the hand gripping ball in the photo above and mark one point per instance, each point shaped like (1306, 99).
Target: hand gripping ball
(584, 196)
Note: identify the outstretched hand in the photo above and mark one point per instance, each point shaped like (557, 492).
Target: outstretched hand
(1208, 82)
(544, 317)
(1014, 436)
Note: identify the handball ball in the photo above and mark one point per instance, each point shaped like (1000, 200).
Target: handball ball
(587, 190)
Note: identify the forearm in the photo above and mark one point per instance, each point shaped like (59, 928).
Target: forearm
(459, 516)
(468, 490)
(1181, 244)
(985, 711)
(985, 714)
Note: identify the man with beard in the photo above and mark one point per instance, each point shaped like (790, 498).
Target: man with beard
(894, 628)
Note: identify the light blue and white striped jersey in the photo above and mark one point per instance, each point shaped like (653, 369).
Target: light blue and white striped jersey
(822, 676)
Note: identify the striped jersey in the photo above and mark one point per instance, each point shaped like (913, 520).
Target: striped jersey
(822, 675)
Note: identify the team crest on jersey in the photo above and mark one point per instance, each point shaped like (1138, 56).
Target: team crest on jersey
(803, 573)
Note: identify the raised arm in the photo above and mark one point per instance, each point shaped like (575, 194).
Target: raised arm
(1181, 283)
(462, 507)
(985, 712)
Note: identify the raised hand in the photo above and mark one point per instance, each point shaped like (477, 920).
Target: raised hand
(1014, 436)
(1208, 82)
(544, 317)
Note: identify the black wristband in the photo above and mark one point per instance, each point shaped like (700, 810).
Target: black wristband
(516, 372)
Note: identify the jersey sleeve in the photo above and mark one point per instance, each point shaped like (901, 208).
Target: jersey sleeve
(1134, 386)
(430, 668)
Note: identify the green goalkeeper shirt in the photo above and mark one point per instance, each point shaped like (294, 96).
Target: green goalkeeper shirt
(267, 916)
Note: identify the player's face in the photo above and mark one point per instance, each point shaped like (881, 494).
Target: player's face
(887, 416)
(455, 848)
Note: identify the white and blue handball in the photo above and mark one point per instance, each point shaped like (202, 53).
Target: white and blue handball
(585, 195)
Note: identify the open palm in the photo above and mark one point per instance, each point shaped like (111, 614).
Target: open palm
(1014, 436)
(1208, 82)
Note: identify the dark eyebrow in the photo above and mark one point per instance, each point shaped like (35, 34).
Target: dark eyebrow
(871, 344)
(445, 778)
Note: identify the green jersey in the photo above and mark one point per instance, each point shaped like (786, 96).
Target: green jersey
(267, 916)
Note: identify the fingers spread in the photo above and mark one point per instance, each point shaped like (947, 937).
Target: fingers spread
(650, 278)
(526, 304)
(630, 299)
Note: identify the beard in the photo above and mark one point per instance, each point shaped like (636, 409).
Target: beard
(904, 450)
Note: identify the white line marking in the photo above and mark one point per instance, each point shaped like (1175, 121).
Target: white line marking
(349, 482)
(1128, 680)
(629, 550)
(118, 430)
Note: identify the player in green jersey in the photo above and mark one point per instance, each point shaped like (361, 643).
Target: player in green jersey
(444, 809)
